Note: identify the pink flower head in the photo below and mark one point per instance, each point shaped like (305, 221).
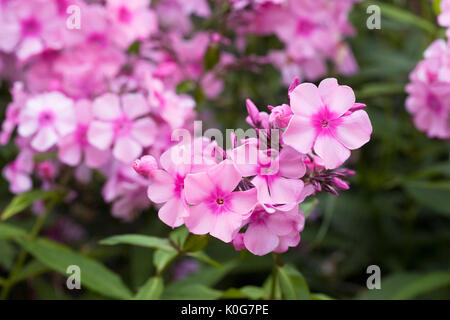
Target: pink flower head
(214, 207)
(121, 122)
(275, 176)
(277, 231)
(429, 95)
(30, 27)
(323, 121)
(74, 145)
(47, 118)
(126, 189)
(131, 20)
(18, 172)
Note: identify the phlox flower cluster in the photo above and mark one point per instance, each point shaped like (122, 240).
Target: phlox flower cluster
(429, 88)
(312, 32)
(249, 194)
(81, 102)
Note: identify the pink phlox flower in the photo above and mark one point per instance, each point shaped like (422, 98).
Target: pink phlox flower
(321, 122)
(18, 172)
(74, 145)
(275, 231)
(47, 118)
(215, 207)
(121, 122)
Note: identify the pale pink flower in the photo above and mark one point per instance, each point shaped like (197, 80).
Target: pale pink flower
(18, 172)
(429, 94)
(30, 27)
(47, 118)
(277, 231)
(121, 122)
(167, 185)
(126, 190)
(74, 145)
(214, 207)
(131, 20)
(323, 121)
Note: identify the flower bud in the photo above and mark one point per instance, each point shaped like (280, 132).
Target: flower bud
(145, 166)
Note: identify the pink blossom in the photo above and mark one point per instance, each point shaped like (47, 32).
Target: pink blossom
(167, 185)
(30, 27)
(214, 207)
(429, 96)
(126, 189)
(74, 145)
(121, 122)
(277, 231)
(18, 172)
(47, 118)
(323, 122)
(131, 20)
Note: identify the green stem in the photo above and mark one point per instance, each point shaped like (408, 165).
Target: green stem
(9, 282)
(276, 259)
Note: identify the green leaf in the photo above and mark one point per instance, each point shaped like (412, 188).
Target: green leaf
(179, 237)
(212, 57)
(253, 292)
(163, 258)
(7, 254)
(31, 270)
(437, 6)
(308, 206)
(195, 243)
(405, 286)
(139, 240)
(320, 296)
(293, 285)
(434, 195)
(94, 275)
(192, 292)
(8, 231)
(24, 200)
(151, 290)
(200, 255)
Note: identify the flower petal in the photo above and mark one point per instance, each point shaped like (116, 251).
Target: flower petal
(332, 152)
(144, 131)
(107, 107)
(305, 99)
(201, 219)
(242, 202)
(354, 130)
(225, 176)
(198, 187)
(300, 134)
(44, 139)
(259, 240)
(341, 100)
(161, 188)
(100, 134)
(127, 150)
(173, 212)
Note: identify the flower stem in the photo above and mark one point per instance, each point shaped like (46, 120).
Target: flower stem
(276, 259)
